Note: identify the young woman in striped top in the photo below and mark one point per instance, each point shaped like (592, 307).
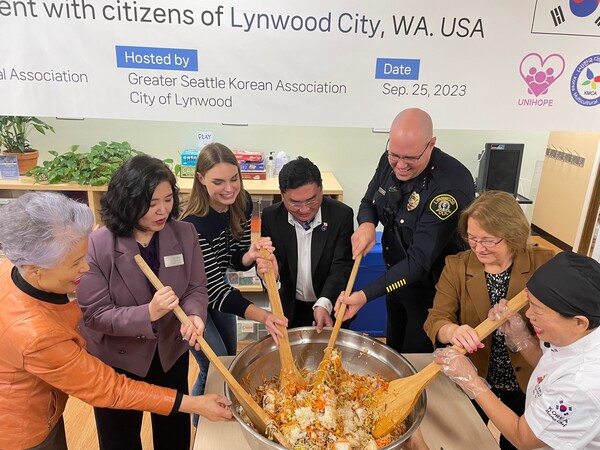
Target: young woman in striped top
(220, 209)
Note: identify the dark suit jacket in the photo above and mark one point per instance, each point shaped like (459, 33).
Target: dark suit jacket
(331, 253)
(115, 293)
(462, 298)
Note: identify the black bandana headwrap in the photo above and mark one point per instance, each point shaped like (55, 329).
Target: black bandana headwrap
(569, 284)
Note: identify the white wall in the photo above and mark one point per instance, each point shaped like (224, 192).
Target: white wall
(350, 153)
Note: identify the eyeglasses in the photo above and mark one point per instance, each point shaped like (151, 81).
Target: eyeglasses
(393, 158)
(308, 204)
(487, 243)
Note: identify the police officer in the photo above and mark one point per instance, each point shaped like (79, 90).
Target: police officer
(417, 193)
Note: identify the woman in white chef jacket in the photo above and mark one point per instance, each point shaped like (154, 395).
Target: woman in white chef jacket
(562, 408)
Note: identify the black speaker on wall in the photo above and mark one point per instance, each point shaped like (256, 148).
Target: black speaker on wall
(500, 168)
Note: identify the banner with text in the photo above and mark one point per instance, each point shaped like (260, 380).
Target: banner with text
(510, 65)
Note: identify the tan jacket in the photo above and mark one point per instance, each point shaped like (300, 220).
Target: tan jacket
(43, 360)
(462, 298)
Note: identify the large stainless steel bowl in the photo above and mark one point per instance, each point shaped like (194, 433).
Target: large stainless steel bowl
(360, 355)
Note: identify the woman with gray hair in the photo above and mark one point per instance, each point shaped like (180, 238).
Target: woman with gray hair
(44, 236)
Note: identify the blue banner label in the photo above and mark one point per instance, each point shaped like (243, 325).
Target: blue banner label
(397, 69)
(157, 58)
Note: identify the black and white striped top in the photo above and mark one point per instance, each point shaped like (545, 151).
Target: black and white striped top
(221, 252)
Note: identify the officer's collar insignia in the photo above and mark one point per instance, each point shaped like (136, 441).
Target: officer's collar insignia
(443, 206)
(413, 201)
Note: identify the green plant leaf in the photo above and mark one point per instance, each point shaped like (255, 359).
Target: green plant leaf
(14, 131)
(93, 168)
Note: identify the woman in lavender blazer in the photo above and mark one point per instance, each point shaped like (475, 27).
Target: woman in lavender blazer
(127, 323)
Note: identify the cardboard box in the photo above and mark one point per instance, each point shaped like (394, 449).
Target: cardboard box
(188, 163)
(246, 155)
(254, 175)
(187, 171)
(248, 278)
(9, 169)
(246, 166)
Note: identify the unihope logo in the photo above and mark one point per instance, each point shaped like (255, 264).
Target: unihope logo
(584, 81)
(539, 74)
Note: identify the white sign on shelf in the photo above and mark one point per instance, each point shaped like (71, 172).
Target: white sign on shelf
(204, 138)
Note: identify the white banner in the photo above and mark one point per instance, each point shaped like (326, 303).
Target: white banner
(504, 65)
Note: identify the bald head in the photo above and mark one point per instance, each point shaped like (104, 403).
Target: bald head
(411, 135)
(413, 122)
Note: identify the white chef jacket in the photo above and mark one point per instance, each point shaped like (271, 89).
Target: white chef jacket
(563, 395)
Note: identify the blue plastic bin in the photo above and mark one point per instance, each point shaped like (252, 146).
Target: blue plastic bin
(372, 318)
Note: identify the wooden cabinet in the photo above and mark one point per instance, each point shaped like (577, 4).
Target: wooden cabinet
(89, 194)
(92, 194)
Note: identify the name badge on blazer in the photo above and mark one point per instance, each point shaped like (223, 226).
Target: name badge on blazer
(173, 260)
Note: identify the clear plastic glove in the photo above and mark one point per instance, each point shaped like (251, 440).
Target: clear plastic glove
(461, 370)
(516, 334)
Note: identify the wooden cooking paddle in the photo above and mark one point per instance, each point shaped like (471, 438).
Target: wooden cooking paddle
(257, 415)
(322, 370)
(403, 393)
(289, 375)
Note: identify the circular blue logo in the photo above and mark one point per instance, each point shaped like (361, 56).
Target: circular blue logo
(585, 81)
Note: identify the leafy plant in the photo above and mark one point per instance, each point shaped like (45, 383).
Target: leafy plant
(94, 168)
(15, 129)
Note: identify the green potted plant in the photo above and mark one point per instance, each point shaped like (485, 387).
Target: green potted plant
(94, 168)
(13, 139)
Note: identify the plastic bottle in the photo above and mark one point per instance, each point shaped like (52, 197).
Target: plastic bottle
(281, 159)
(270, 166)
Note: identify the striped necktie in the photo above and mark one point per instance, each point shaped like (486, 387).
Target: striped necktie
(308, 224)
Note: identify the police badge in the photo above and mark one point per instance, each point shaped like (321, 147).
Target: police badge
(443, 206)
(413, 201)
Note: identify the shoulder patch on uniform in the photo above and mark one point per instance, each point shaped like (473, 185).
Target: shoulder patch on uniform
(443, 206)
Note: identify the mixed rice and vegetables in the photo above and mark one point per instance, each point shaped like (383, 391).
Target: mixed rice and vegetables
(337, 414)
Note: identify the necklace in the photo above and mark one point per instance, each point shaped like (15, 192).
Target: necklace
(143, 240)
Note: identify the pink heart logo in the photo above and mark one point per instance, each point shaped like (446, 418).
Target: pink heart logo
(540, 73)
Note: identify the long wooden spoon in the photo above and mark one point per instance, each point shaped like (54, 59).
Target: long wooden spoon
(290, 377)
(322, 370)
(403, 393)
(257, 415)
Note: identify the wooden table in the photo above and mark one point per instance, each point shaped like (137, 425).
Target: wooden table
(450, 422)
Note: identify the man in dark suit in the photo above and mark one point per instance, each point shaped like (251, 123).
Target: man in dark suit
(313, 251)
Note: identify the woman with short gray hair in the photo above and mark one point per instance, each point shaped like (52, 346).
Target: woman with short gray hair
(44, 236)
(40, 229)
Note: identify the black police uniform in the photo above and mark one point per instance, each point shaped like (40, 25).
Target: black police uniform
(420, 218)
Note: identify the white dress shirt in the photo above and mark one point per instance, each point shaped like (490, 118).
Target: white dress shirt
(304, 285)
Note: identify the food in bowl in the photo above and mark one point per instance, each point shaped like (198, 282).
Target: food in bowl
(338, 414)
(361, 354)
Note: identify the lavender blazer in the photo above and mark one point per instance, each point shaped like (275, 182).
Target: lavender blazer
(115, 293)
